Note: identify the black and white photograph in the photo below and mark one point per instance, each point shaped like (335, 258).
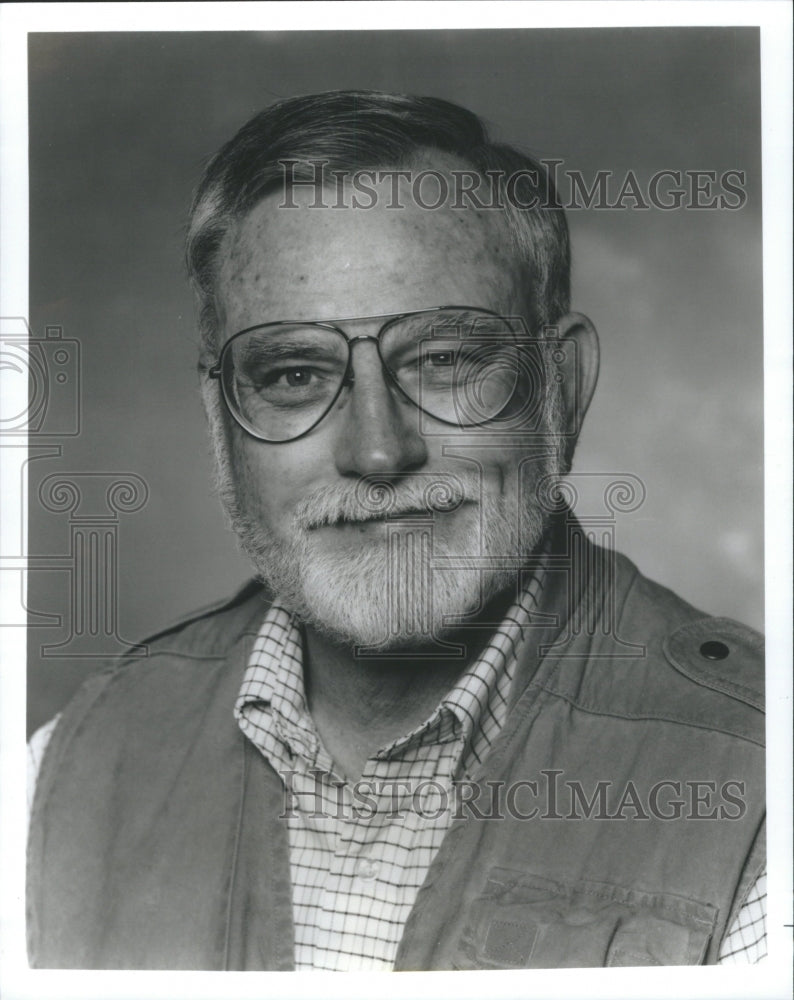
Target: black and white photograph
(396, 500)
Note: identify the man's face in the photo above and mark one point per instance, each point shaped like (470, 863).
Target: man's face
(322, 264)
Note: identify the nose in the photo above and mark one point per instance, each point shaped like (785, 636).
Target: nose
(379, 432)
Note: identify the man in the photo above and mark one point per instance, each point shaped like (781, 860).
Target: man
(450, 731)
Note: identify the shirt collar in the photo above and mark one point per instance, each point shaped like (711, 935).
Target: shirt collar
(273, 681)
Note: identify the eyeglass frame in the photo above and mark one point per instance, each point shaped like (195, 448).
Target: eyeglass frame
(216, 370)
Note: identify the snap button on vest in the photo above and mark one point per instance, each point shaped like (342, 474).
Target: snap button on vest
(714, 650)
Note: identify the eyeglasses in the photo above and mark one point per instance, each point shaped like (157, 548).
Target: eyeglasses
(461, 365)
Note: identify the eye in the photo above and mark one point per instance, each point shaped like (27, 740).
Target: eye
(440, 359)
(268, 378)
(293, 377)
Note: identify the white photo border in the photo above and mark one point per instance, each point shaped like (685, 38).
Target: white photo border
(771, 978)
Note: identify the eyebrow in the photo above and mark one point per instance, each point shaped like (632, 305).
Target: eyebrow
(468, 318)
(274, 351)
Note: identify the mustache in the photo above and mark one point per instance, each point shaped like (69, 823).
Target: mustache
(376, 497)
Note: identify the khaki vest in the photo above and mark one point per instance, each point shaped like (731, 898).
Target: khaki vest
(156, 841)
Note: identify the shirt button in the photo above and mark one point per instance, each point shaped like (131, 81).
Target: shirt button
(367, 870)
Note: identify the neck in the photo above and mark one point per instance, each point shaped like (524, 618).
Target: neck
(360, 703)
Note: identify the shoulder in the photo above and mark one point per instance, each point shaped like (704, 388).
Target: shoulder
(210, 631)
(653, 655)
(716, 653)
(37, 746)
(160, 696)
(174, 664)
(207, 634)
(720, 654)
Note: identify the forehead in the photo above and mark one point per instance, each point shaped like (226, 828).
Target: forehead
(304, 262)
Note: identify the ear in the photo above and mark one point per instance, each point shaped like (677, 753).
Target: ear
(579, 369)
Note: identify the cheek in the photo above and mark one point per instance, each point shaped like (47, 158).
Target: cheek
(270, 478)
(256, 477)
(497, 468)
(511, 473)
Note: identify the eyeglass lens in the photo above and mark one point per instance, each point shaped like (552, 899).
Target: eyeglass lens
(458, 366)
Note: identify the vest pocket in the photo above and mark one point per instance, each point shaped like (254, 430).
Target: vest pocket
(524, 920)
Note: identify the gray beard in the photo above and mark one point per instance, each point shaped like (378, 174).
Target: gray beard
(410, 584)
(393, 590)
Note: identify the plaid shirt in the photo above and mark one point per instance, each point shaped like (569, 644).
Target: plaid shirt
(356, 872)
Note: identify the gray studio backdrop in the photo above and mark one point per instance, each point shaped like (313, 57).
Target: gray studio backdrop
(120, 125)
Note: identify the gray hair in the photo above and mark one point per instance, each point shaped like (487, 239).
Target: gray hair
(365, 129)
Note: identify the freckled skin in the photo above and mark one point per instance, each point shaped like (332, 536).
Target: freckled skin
(320, 264)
